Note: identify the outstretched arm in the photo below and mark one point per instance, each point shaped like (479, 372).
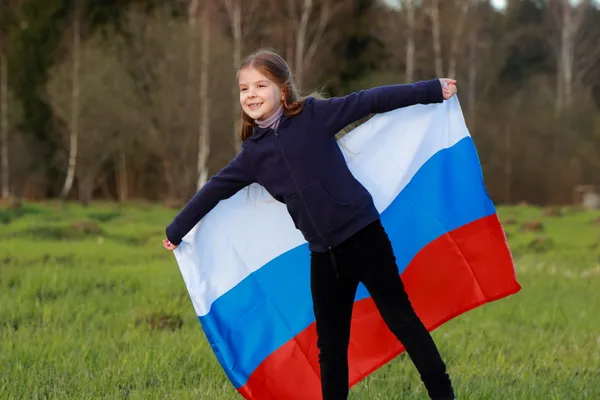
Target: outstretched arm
(234, 177)
(339, 112)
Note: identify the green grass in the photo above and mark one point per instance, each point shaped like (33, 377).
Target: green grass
(92, 307)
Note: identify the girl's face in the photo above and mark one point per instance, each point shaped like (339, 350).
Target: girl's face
(259, 96)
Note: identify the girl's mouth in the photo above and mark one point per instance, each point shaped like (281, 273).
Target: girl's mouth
(254, 106)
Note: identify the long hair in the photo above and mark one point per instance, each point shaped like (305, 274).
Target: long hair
(274, 67)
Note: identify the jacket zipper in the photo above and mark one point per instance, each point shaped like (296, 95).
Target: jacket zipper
(312, 221)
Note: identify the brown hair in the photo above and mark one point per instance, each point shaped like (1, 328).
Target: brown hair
(274, 67)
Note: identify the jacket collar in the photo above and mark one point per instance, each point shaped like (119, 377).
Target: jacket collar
(258, 132)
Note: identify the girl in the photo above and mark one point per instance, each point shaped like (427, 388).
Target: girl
(289, 148)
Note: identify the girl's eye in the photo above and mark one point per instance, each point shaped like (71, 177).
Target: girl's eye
(243, 89)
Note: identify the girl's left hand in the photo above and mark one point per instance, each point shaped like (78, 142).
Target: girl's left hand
(448, 87)
(168, 245)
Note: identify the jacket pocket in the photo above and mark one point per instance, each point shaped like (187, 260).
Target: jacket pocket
(326, 211)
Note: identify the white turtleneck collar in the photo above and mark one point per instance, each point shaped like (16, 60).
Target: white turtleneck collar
(272, 121)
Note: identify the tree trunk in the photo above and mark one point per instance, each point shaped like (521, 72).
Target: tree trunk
(4, 125)
(122, 174)
(75, 104)
(301, 41)
(236, 26)
(456, 39)
(508, 164)
(437, 42)
(86, 187)
(241, 27)
(204, 135)
(172, 197)
(472, 79)
(410, 40)
(193, 23)
(570, 20)
(324, 18)
(563, 56)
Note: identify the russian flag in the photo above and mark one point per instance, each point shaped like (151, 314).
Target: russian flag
(246, 267)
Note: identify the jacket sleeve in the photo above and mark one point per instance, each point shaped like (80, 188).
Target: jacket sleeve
(338, 112)
(232, 178)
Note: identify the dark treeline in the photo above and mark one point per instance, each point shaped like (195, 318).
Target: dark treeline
(137, 99)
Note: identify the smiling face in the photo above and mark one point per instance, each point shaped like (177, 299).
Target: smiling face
(259, 96)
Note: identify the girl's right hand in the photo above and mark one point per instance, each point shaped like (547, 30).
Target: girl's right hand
(168, 245)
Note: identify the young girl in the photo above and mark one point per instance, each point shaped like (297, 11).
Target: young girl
(289, 148)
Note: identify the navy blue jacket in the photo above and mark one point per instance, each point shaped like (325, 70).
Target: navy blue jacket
(301, 165)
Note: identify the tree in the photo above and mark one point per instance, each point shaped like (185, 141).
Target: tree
(576, 49)
(241, 15)
(308, 36)
(5, 22)
(4, 124)
(455, 29)
(156, 57)
(481, 55)
(75, 105)
(434, 13)
(200, 26)
(99, 96)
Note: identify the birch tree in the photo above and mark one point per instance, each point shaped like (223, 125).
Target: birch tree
(308, 36)
(101, 106)
(199, 18)
(456, 34)
(572, 42)
(73, 121)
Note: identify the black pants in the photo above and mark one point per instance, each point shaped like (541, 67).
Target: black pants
(367, 257)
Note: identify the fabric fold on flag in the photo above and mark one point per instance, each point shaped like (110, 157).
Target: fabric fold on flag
(246, 267)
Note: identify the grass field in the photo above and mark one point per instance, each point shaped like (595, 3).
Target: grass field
(91, 306)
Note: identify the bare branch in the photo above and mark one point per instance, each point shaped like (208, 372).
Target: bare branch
(229, 6)
(301, 38)
(249, 17)
(325, 16)
(291, 13)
